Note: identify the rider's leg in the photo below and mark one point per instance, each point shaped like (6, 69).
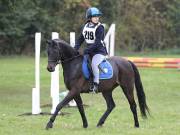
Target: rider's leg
(96, 60)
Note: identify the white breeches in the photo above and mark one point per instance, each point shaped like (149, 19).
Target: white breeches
(96, 60)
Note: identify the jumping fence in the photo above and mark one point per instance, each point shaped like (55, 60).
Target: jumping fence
(156, 62)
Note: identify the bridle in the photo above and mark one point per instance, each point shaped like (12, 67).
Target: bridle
(60, 58)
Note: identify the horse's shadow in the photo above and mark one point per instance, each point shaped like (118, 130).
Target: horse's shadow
(62, 113)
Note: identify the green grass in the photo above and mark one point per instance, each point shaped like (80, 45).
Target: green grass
(162, 89)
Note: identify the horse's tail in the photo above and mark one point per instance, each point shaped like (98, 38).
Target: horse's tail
(140, 92)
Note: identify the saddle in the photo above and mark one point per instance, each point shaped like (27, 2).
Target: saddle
(105, 68)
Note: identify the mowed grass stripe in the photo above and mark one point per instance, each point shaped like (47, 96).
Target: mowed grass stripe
(161, 86)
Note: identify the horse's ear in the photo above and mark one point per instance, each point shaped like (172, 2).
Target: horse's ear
(54, 43)
(48, 41)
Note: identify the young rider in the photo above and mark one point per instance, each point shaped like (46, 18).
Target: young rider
(93, 34)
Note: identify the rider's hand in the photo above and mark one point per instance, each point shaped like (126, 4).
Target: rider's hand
(86, 56)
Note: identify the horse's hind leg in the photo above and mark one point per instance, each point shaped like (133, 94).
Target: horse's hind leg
(81, 110)
(110, 106)
(128, 91)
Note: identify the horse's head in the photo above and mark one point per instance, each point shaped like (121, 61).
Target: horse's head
(54, 55)
(59, 50)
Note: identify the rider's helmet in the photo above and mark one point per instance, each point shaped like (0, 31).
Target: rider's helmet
(92, 12)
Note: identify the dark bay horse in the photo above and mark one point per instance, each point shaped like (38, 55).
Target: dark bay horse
(125, 75)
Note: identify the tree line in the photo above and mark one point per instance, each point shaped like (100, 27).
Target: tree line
(140, 24)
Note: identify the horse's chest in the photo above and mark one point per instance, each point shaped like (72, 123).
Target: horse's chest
(69, 79)
(71, 73)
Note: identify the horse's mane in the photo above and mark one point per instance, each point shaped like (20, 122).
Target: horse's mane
(66, 44)
(61, 42)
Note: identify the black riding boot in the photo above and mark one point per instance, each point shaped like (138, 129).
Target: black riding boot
(94, 87)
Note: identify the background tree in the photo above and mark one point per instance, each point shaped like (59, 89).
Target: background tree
(140, 25)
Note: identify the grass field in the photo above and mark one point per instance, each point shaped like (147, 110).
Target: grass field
(162, 88)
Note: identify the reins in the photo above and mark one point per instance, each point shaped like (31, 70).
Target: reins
(69, 59)
(64, 61)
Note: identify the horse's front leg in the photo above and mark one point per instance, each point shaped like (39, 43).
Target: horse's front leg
(65, 101)
(81, 110)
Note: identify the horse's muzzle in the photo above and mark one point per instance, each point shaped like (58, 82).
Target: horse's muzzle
(51, 68)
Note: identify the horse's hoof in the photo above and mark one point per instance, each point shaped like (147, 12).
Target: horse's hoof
(136, 126)
(85, 125)
(49, 125)
(99, 125)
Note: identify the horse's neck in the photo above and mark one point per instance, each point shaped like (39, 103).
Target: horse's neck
(70, 56)
(69, 52)
(72, 61)
(72, 69)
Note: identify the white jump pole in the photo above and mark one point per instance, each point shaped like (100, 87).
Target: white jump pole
(72, 39)
(110, 40)
(55, 82)
(36, 91)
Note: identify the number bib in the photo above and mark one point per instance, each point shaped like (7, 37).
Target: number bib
(89, 33)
